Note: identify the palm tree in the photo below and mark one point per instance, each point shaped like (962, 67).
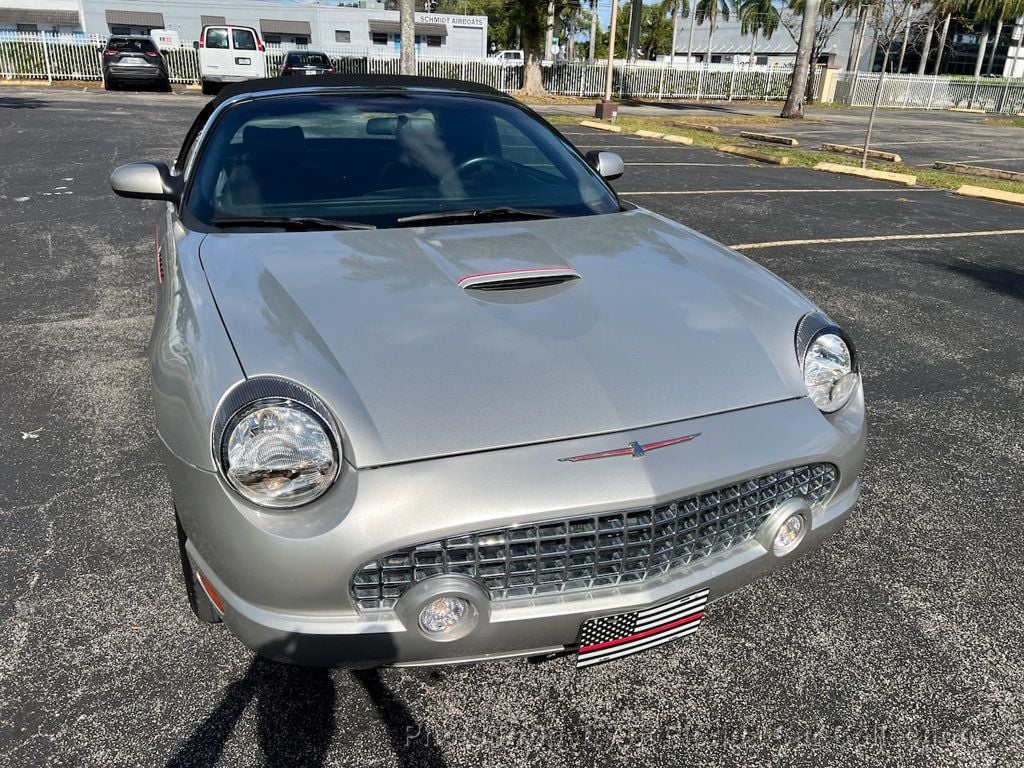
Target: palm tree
(986, 12)
(1008, 10)
(709, 10)
(757, 16)
(675, 7)
(944, 9)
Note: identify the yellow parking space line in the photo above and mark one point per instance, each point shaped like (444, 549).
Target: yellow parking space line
(875, 239)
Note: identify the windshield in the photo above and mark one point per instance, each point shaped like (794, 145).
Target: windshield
(131, 46)
(308, 60)
(378, 159)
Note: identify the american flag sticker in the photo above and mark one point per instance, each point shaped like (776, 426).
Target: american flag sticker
(611, 637)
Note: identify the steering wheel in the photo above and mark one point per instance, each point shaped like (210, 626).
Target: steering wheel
(477, 163)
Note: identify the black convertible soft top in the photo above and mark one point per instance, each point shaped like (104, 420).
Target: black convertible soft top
(354, 81)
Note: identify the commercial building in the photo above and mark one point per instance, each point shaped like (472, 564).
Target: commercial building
(958, 56)
(359, 30)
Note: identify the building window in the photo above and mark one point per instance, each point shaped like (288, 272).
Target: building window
(342, 36)
(433, 41)
(301, 40)
(379, 38)
(762, 61)
(28, 28)
(125, 31)
(272, 39)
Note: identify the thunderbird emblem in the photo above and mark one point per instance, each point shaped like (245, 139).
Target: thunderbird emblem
(634, 449)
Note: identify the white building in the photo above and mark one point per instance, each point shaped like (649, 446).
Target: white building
(359, 31)
(57, 16)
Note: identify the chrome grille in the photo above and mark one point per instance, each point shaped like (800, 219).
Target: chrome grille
(582, 553)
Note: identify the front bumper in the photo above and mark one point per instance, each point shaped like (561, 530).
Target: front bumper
(285, 576)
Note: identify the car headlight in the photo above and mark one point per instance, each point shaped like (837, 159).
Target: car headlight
(278, 452)
(828, 362)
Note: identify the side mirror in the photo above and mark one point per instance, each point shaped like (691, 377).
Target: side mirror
(195, 44)
(608, 164)
(144, 181)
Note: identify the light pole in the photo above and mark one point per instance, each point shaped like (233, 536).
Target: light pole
(608, 109)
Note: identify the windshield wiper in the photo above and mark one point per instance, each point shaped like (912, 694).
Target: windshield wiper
(478, 214)
(292, 223)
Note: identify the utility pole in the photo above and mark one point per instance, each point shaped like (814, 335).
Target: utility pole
(675, 33)
(593, 29)
(549, 30)
(608, 110)
(407, 22)
(636, 11)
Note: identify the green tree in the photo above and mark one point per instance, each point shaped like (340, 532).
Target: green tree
(988, 12)
(509, 22)
(709, 10)
(675, 9)
(655, 30)
(757, 17)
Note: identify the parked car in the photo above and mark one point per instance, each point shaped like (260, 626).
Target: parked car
(508, 57)
(429, 391)
(229, 54)
(306, 63)
(133, 59)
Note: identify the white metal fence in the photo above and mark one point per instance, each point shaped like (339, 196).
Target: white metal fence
(931, 92)
(52, 57)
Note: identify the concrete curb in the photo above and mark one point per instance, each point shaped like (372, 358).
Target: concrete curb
(877, 154)
(601, 126)
(43, 83)
(677, 139)
(868, 173)
(770, 138)
(696, 126)
(650, 134)
(974, 170)
(752, 154)
(965, 109)
(996, 195)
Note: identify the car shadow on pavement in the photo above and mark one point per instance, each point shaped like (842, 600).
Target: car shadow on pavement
(14, 102)
(414, 747)
(1007, 281)
(295, 718)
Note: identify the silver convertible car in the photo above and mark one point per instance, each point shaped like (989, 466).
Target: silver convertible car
(429, 391)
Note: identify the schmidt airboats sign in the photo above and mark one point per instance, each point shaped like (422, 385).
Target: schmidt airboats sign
(454, 21)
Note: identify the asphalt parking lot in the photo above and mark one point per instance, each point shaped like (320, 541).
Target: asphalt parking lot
(897, 643)
(920, 137)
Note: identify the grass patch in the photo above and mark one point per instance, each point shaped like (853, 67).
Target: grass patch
(1005, 122)
(801, 158)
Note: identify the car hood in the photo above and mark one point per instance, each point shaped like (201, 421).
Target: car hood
(660, 325)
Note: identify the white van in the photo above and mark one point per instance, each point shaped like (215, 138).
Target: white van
(230, 54)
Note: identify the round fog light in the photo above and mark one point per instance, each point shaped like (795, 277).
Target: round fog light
(444, 615)
(789, 535)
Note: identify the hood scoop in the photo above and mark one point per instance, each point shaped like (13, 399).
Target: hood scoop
(519, 279)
